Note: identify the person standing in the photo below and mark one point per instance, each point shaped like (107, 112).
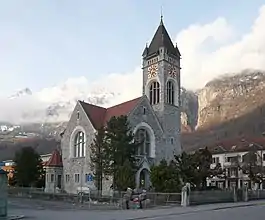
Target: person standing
(142, 197)
(128, 196)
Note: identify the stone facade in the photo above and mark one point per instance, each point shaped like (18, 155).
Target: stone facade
(159, 122)
(76, 165)
(53, 179)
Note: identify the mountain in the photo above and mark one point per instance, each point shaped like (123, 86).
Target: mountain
(20, 93)
(227, 107)
(230, 106)
(189, 110)
(230, 97)
(54, 104)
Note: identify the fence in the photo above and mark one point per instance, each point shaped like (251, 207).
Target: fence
(256, 194)
(224, 196)
(211, 196)
(96, 198)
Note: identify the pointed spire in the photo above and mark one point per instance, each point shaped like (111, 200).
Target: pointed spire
(145, 52)
(55, 159)
(161, 16)
(162, 39)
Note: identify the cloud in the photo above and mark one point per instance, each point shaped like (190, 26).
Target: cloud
(213, 49)
(208, 51)
(22, 109)
(56, 103)
(111, 89)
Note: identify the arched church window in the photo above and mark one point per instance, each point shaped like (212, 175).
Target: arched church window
(170, 93)
(79, 144)
(142, 138)
(154, 93)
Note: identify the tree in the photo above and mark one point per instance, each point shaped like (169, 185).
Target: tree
(218, 171)
(125, 176)
(158, 175)
(97, 156)
(40, 183)
(194, 168)
(173, 184)
(203, 160)
(251, 167)
(165, 177)
(28, 167)
(186, 166)
(121, 148)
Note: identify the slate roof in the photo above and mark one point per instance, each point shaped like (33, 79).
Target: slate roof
(240, 144)
(161, 39)
(55, 160)
(99, 116)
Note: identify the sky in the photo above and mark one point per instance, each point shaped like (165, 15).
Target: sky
(66, 48)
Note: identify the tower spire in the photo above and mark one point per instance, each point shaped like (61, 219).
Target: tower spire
(161, 15)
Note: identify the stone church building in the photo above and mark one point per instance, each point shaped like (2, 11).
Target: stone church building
(154, 118)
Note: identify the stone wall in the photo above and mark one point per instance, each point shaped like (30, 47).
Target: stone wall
(82, 165)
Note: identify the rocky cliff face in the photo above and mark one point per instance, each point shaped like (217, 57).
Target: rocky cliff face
(230, 97)
(229, 107)
(189, 110)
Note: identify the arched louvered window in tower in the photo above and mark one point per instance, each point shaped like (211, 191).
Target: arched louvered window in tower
(154, 93)
(170, 93)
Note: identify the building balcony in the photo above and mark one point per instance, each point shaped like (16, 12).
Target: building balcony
(231, 164)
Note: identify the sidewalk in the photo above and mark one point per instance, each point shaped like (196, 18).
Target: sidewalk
(128, 214)
(146, 214)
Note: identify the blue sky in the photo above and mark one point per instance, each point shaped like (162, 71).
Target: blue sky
(46, 42)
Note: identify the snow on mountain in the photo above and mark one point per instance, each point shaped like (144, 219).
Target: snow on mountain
(23, 92)
(55, 104)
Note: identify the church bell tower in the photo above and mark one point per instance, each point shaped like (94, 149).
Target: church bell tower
(161, 83)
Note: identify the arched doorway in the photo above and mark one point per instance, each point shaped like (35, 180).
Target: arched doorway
(144, 180)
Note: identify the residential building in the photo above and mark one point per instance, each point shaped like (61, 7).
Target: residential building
(229, 155)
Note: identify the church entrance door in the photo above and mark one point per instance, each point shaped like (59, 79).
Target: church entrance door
(144, 179)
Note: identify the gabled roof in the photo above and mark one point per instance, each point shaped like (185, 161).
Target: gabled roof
(55, 160)
(240, 144)
(95, 114)
(99, 116)
(161, 39)
(121, 109)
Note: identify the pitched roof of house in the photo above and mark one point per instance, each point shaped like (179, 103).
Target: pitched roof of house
(99, 116)
(161, 39)
(55, 160)
(240, 144)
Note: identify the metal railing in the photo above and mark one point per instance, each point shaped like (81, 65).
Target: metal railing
(96, 198)
(256, 194)
(98, 201)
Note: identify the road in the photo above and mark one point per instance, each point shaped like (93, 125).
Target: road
(243, 213)
(208, 212)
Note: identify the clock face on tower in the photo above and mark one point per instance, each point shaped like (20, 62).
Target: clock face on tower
(172, 71)
(152, 71)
